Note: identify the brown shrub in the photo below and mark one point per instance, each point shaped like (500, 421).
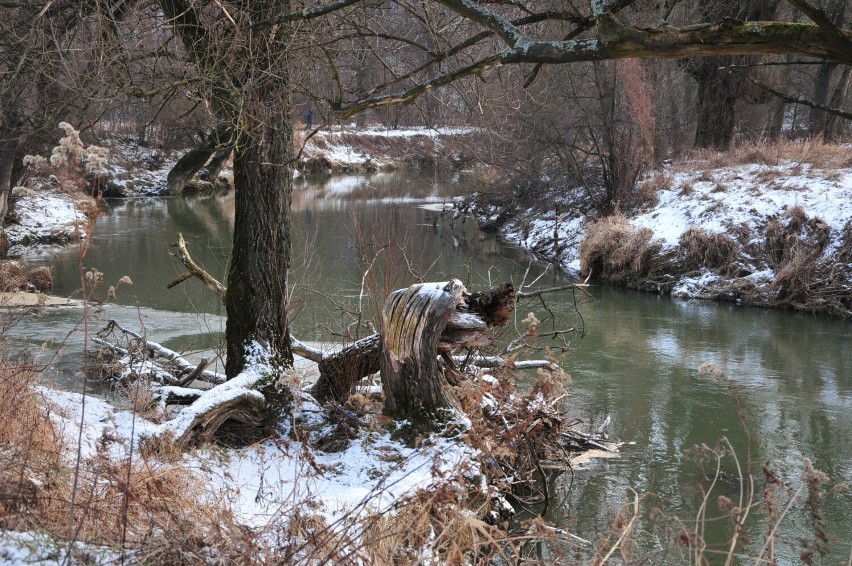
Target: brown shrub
(41, 278)
(614, 249)
(30, 448)
(788, 237)
(844, 254)
(12, 276)
(647, 193)
(699, 248)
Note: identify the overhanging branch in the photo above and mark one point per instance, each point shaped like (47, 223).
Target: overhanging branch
(803, 101)
(730, 37)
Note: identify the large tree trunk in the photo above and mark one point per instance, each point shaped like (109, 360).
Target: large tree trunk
(9, 135)
(717, 98)
(215, 145)
(256, 299)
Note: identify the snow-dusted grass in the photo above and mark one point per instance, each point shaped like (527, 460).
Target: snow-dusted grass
(279, 500)
(46, 218)
(751, 217)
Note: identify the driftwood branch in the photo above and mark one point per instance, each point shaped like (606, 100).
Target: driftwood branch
(183, 366)
(195, 270)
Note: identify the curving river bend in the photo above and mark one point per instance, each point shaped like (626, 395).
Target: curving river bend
(637, 363)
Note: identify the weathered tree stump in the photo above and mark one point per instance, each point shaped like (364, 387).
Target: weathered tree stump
(412, 322)
(465, 322)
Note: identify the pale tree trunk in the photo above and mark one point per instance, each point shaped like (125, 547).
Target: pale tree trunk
(413, 321)
(468, 326)
(256, 299)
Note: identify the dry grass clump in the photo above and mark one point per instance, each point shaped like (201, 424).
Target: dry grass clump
(41, 278)
(814, 152)
(699, 248)
(795, 237)
(646, 195)
(615, 249)
(30, 448)
(146, 506)
(12, 276)
(804, 279)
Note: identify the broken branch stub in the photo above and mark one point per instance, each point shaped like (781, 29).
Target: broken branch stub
(413, 321)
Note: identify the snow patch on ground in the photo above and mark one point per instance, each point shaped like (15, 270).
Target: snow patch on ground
(749, 195)
(264, 482)
(726, 200)
(46, 218)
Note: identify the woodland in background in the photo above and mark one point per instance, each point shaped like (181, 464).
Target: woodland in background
(563, 90)
(116, 68)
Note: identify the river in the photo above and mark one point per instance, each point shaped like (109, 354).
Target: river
(789, 376)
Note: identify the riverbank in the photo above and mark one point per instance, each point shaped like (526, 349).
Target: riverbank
(53, 204)
(769, 227)
(322, 484)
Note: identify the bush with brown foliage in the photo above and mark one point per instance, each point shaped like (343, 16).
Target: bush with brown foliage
(699, 248)
(616, 250)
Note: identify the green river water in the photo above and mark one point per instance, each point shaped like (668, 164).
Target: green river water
(638, 362)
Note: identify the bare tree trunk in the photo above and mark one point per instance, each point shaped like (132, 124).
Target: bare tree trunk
(256, 299)
(196, 158)
(822, 91)
(216, 164)
(717, 98)
(840, 94)
(819, 119)
(9, 136)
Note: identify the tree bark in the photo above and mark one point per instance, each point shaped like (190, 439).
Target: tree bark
(412, 322)
(840, 94)
(717, 97)
(256, 300)
(9, 135)
(340, 372)
(196, 158)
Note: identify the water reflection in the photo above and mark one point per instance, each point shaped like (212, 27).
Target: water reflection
(639, 362)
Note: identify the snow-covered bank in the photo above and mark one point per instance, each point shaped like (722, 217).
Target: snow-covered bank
(348, 149)
(748, 234)
(320, 484)
(45, 218)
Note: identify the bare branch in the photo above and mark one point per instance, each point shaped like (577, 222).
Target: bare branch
(803, 101)
(730, 37)
(195, 270)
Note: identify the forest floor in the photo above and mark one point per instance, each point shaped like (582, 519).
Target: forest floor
(768, 226)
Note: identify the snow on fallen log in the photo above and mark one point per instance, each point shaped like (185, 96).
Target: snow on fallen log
(239, 400)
